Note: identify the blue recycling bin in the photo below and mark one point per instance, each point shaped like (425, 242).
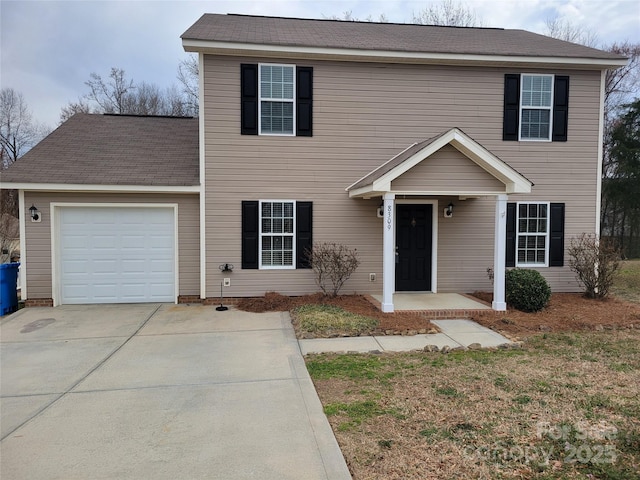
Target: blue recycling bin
(8, 287)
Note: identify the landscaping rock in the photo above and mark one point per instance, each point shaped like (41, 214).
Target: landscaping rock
(474, 346)
(412, 332)
(445, 349)
(422, 331)
(431, 348)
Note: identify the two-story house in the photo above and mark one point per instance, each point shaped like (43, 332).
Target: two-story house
(436, 152)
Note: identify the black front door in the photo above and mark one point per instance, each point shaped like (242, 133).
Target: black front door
(413, 247)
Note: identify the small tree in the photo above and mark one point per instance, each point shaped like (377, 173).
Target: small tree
(595, 262)
(333, 264)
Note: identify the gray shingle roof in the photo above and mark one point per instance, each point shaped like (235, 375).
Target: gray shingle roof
(384, 36)
(92, 149)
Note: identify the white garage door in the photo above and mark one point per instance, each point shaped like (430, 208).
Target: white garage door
(116, 254)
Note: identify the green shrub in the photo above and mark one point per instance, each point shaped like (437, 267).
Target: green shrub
(527, 290)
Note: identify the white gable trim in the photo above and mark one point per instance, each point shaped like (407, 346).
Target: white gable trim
(386, 56)
(513, 181)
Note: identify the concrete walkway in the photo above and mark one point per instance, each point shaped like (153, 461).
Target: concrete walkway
(454, 334)
(159, 392)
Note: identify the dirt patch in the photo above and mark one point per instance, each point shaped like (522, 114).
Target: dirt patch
(565, 312)
(397, 323)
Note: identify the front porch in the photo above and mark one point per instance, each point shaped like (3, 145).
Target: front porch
(411, 186)
(435, 305)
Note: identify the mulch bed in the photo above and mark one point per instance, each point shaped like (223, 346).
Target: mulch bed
(389, 323)
(565, 312)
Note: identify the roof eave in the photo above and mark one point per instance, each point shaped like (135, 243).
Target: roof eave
(387, 56)
(76, 187)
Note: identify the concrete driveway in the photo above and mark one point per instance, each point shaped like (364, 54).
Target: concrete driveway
(158, 391)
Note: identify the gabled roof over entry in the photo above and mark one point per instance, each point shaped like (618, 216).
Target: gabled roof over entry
(379, 181)
(92, 149)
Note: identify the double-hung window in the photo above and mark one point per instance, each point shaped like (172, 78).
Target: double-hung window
(532, 235)
(277, 232)
(536, 105)
(277, 98)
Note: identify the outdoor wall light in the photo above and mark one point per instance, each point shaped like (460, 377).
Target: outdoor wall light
(35, 214)
(448, 212)
(226, 267)
(380, 211)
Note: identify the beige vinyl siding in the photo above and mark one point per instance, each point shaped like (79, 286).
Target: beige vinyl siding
(447, 169)
(38, 236)
(364, 114)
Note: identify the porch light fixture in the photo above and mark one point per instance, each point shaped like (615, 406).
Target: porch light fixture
(380, 211)
(448, 212)
(35, 214)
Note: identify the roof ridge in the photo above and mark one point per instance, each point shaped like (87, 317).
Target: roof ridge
(363, 22)
(144, 115)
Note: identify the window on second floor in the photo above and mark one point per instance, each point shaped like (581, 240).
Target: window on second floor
(535, 107)
(277, 93)
(276, 99)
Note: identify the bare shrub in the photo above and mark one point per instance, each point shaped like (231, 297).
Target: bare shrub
(595, 262)
(333, 264)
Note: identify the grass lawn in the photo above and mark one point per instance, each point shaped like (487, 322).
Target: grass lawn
(627, 285)
(565, 406)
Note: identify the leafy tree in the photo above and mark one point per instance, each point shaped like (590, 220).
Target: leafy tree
(621, 188)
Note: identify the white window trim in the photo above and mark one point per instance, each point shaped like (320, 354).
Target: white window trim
(293, 235)
(550, 108)
(547, 235)
(292, 101)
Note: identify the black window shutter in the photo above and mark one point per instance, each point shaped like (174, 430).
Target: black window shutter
(249, 99)
(556, 242)
(304, 228)
(510, 260)
(560, 108)
(304, 101)
(511, 118)
(250, 234)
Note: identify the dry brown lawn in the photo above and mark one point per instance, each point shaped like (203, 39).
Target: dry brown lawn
(564, 406)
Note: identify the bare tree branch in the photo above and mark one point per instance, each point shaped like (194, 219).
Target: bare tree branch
(448, 13)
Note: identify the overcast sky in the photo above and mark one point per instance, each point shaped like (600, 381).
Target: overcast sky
(49, 48)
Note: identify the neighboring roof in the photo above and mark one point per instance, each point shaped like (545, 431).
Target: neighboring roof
(92, 149)
(287, 34)
(378, 181)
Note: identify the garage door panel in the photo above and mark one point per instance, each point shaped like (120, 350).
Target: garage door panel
(117, 254)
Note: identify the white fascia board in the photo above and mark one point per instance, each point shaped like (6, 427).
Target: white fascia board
(448, 193)
(350, 54)
(66, 187)
(364, 192)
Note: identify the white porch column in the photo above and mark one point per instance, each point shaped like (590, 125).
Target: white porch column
(388, 253)
(499, 254)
